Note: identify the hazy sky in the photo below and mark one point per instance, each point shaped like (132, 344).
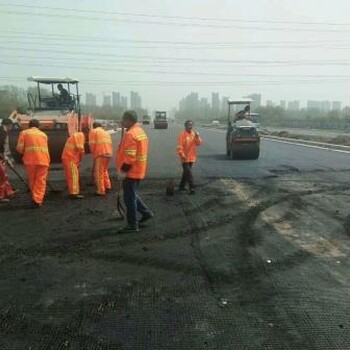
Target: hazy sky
(164, 49)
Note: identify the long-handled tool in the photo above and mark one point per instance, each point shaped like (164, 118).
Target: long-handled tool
(19, 176)
(53, 190)
(120, 207)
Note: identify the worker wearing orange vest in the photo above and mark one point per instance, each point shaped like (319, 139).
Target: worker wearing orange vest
(71, 157)
(33, 145)
(132, 166)
(6, 190)
(100, 143)
(188, 141)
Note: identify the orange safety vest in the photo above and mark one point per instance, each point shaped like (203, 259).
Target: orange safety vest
(32, 143)
(100, 143)
(133, 150)
(187, 146)
(74, 147)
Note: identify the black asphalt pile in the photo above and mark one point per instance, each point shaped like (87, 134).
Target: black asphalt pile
(242, 264)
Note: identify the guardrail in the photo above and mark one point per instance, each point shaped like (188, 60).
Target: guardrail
(307, 142)
(294, 140)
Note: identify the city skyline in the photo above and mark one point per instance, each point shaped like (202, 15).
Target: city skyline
(214, 102)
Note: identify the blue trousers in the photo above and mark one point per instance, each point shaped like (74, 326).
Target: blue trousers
(133, 202)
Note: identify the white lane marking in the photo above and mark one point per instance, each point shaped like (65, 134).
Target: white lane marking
(309, 146)
(294, 143)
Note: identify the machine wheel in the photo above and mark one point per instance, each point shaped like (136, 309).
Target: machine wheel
(255, 153)
(233, 154)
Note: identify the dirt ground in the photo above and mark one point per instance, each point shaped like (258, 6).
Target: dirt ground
(242, 264)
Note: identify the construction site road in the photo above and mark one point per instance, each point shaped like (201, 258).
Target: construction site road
(258, 258)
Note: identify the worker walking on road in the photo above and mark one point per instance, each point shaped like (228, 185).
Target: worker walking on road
(33, 145)
(100, 143)
(6, 190)
(131, 167)
(71, 157)
(188, 141)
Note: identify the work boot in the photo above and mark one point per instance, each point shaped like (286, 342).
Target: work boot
(99, 194)
(4, 200)
(127, 229)
(182, 190)
(192, 191)
(76, 196)
(34, 205)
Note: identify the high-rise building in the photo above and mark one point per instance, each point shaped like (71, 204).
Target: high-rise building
(283, 104)
(293, 105)
(90, 99)
(204, 103)
(336, 105)
(107, 101)
(124, 102)
(135, 100)
(310, 104)
(256, 100)
(116, 99)
(324, 106)
(224, 104)
(269, 103)
(190, 102)
(215, 101)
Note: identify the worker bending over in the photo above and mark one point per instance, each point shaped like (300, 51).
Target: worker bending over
(32, 144)
(132, 166)
(6, 190)
(71, 158)
(100, 143)
(188, 141)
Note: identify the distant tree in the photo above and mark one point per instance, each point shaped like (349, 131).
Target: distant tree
(11, 97)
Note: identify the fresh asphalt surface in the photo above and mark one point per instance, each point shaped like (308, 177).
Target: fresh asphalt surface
(275, 157)
(256, 259)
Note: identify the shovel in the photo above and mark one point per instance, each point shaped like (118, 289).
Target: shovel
(53, 190)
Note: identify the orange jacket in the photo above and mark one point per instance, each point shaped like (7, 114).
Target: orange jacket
(32, 143)
(100, 143)
(133, 150)
(74, 148)
(187, 144)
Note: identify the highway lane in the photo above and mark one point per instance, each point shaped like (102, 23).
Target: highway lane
(249, 264)
(275, 157)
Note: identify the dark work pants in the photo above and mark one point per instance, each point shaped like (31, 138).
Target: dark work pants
(187, 176)
(133, 202)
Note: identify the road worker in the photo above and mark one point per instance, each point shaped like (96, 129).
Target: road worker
(131, 167)
(33, 145)
(71, 157)
(243, 114)
(100, 143)
(64, 97)
(6, 190)
(188, 141)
